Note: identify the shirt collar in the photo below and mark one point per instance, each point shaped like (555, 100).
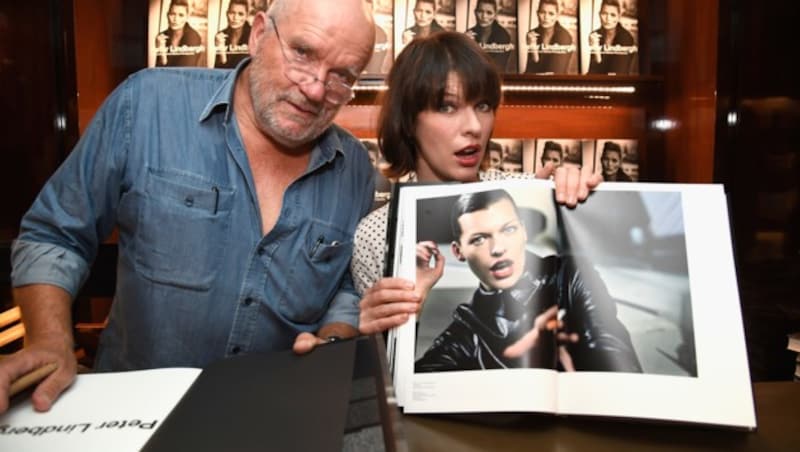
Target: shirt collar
(223, 97)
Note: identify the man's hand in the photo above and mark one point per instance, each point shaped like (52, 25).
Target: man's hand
(305, 342)
(33, 356)
(388, 304)
(572, 184)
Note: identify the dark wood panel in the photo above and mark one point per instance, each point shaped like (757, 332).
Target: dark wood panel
(38, 101)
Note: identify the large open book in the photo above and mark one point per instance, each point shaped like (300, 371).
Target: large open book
(635, 290)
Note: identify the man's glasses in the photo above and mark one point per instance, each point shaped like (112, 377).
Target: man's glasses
(301, 69)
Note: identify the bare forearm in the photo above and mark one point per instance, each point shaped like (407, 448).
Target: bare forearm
(46, 313)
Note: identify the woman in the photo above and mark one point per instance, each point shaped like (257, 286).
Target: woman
(179, 44)
(424, 21)
(613, 48)
(435, 123)
(611, 161)
(231, 42)
(492, 37)
(550, 46)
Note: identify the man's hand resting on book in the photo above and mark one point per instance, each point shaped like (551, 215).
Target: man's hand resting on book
(305, 342)
(548, 321)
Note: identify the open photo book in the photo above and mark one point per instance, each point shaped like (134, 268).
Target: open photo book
(626, 306)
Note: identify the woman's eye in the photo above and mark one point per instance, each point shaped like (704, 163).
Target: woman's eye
(447, 108)
(483, 107)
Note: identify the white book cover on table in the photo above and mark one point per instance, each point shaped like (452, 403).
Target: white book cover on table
(100, 412)
(640, 277)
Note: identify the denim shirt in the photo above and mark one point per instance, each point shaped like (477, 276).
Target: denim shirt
(163, 161)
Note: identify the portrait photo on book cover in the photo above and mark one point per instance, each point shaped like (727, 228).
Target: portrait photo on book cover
(610, 37)
(421, 18)
(617, 160)
(505, 154)
(560, 151)
(383, 50)
(548, 36)
(528, 284)
(178, 33)
(493, 25)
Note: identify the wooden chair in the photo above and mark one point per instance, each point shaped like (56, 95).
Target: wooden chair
(90, 308)
(11, 329)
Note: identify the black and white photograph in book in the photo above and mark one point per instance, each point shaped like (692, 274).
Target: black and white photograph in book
(548, 36)
(230, 42)
(617, 160)
(421, 18)
(382, 54)
(609, 37)
(178, 32)
(527, 284)
(493, 25)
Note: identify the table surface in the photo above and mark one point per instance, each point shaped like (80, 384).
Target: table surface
(777, 411)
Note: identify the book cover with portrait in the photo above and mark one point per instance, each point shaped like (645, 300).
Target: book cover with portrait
(178, 33)
(421, 18)
(563, 151)
(505, 154)
(617, 159)
(383, 185)
(609, 37)
(382, 55)
(493, 25)
(548, 36)
(232, 20)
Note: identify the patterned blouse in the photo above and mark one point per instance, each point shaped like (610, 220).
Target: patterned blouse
(369, 249)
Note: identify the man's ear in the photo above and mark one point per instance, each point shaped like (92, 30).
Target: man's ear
(259, 28)
(456, 249)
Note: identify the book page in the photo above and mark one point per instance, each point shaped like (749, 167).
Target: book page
(100, 412)
(457, 390)
(696, 325)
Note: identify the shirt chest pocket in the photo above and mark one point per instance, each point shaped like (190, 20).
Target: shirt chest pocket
(315, 272)
(183, 228)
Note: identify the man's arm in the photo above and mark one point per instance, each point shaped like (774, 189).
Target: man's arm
(46, 313)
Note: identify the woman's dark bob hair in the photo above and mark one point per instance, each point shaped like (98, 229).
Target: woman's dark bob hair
(417, 82)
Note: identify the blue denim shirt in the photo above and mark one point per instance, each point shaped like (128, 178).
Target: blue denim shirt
(163, 161)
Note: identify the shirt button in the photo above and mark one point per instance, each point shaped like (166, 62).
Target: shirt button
(189, 201)
(236, 349)
(248, 301)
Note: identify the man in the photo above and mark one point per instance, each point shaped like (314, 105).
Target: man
(492, 37)
(513, 313)
(235, 199)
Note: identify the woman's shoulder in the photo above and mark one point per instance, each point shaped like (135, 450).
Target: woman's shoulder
(374, 222)
(493, 174)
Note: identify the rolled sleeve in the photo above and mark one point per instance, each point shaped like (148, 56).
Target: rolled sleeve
(45, 263)
(344, 306)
